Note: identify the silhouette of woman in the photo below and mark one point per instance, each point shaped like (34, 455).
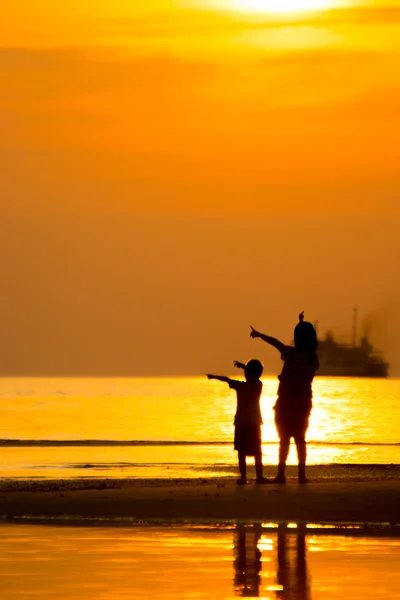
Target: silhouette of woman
(294, 403)
(292, 565)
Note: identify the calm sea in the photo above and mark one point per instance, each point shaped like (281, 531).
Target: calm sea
(178, 427)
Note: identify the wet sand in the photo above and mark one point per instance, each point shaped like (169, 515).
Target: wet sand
(340, 494)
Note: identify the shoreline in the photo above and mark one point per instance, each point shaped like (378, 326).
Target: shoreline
(335, 494)
(325, 473)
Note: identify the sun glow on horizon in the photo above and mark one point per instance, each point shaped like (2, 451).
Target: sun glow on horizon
(282, 6)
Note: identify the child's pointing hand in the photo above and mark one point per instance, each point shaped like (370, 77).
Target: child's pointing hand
(238, 364)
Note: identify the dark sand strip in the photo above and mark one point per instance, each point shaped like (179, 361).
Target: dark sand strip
(362, 496)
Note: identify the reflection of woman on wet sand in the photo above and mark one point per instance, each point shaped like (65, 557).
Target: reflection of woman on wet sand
(292, 577)
(291, 574)
(294, 403)
(247, 563)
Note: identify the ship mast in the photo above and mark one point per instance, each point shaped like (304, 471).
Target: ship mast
(355, 327)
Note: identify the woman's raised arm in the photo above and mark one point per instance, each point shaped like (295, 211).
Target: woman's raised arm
(268, 339)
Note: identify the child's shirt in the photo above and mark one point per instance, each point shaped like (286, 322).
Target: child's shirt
(248, 411)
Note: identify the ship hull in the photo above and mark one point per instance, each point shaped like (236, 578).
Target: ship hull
(377, 371)
(351, 360)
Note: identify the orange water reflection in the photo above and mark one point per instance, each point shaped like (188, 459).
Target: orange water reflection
(353, 421)
(246, 560)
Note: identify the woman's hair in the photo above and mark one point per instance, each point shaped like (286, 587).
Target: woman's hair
(305, 338)
(254, 368)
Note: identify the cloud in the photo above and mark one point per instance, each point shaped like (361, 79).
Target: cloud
(158, 124)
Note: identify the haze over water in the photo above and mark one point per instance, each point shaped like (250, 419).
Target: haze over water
(179, 426)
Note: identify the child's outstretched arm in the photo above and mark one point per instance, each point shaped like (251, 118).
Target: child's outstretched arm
(231, 382)
(270, 340)
(220, 378)
(238, 364)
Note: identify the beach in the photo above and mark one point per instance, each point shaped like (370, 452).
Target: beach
(336, 494)
(68, 454)
(91, 475)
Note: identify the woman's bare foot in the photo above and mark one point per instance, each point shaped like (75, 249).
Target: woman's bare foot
(302, 474)
(241, 481)
(279, 479)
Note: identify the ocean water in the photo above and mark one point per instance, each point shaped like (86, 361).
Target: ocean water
(179, 427)
(287, 562)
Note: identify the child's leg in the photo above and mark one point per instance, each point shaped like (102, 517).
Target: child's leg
(242, 467)
(284, 444)
(259, 469)
(301, 447)
(258, 463)
(258, 456)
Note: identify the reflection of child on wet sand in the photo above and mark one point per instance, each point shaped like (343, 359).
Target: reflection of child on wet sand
(247, 564)
(294, 403)
(248, 418)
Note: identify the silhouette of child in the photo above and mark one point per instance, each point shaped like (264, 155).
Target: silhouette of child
(294, 403)
(248, 418)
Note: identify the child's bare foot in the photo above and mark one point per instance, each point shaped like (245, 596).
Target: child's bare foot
(303, 479)
(279, 479)
(241, 481)
(262, 480)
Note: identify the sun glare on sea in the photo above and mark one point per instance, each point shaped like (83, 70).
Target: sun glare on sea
(281, 6)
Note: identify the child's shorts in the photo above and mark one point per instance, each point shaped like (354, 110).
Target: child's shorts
(248, 439)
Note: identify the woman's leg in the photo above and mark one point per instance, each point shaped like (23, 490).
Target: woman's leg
(284, 444)
(301, 446)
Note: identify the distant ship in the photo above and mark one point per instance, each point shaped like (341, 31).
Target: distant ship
(350, 360)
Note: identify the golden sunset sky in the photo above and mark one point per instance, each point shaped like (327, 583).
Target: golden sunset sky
(173, 171)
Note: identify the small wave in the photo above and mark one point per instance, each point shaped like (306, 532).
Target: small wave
(33, 443)
(67, 443)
